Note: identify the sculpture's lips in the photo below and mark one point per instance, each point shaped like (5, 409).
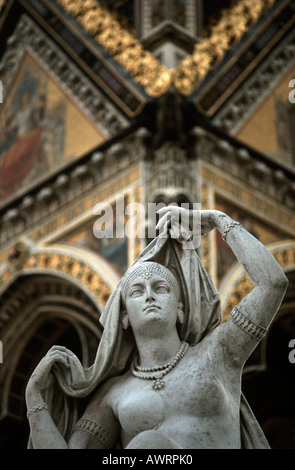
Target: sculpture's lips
(151, 306)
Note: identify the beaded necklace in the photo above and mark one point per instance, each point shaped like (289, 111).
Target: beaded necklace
(144, 373)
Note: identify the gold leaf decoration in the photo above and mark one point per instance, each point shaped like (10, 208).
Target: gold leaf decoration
(144, 67)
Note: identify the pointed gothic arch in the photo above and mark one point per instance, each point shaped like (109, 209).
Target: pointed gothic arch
(55, 295)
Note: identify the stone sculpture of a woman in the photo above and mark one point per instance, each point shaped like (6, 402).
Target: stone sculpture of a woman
(167, 373)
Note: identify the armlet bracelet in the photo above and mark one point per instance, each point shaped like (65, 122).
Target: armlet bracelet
(228, 228)
(96, 430)
(243, 322)
(43, 406)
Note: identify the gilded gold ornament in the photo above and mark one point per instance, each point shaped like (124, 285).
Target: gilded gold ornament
(144, 67)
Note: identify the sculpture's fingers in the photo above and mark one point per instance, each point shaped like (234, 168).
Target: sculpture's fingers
(164, 231)
(162, 223)
(172, 210)
(163, 210)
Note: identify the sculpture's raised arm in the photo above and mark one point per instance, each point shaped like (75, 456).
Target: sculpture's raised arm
(264, 271)
(255, 312)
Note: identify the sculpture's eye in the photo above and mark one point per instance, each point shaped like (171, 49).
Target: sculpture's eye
(135, 292)
(161, 288)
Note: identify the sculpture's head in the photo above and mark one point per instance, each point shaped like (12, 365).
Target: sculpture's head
(151, 293)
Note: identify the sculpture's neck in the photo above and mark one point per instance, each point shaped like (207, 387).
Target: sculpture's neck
(157, 351)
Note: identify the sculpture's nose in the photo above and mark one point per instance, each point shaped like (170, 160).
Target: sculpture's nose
(150, 298)
(149, 294)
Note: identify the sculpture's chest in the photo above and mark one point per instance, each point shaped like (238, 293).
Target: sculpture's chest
(191, 390)
(141, 410)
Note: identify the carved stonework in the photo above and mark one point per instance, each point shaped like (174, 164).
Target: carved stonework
(170, 174)
(68, 186)
(258, 86)
(28, 37)
(154, 12)
(56, 262)
(262, 176)
(76, 268)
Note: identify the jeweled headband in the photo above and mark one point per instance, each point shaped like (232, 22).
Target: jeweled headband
(146, 269)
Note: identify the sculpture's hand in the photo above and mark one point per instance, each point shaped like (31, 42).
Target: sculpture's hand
(181, 220)
(42, 375)
(44, 432)
(209, 220)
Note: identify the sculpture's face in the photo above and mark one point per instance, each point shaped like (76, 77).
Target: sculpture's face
(151, 301)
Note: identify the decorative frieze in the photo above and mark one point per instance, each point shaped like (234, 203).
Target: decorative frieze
(265, 179)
